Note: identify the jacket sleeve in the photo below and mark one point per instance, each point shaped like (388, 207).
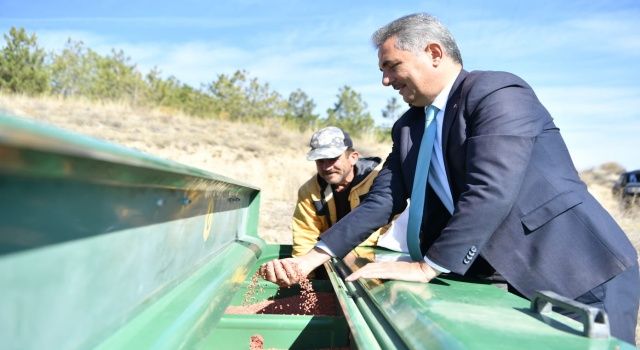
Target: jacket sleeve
(385, 199)
(306, 225)
(503, 119)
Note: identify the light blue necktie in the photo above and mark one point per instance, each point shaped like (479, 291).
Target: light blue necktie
(438, 179)
(420, 184)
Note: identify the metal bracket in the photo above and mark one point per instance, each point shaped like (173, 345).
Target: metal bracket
(594, 321)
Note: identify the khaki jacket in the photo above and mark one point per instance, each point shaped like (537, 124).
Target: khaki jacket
(315, 211)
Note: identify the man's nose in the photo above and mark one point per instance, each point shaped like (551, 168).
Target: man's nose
(386, 80)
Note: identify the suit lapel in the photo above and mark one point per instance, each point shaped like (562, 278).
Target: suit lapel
(451, 110)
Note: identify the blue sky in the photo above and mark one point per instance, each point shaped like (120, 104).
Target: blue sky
(581, 57)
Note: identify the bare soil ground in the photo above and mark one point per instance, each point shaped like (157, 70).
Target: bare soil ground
(268, 156)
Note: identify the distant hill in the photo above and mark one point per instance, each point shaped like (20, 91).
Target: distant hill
(605, 174)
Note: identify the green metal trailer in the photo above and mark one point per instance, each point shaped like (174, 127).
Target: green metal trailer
(105, 247)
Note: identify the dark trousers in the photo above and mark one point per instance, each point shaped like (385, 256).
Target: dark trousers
(619, 298)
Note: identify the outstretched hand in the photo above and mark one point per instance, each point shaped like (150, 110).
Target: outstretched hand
(395, 270)
(284, 272)
(289, 271)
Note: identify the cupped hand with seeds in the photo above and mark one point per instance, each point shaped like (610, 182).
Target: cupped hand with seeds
(290, 271)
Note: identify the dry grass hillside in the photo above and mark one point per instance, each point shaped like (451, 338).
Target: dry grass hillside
(268, 156)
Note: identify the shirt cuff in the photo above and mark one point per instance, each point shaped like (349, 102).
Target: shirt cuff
(325, 248)
(439, 269)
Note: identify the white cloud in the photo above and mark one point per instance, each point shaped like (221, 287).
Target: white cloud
(55, 40)
(612, 37)
(599, 124)
(592, 105)
(590, 148)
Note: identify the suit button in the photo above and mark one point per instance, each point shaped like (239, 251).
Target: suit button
(473, 249)
(466, 260)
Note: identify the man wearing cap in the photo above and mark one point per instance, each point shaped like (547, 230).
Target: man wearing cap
(343, 178)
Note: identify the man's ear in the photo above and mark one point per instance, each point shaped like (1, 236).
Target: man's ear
(353, 157)
(435, 52)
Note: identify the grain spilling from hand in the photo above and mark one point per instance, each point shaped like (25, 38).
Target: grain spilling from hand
(309, 297)
(253, 289)
(308, 302)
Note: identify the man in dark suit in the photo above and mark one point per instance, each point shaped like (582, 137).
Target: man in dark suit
(512, 203)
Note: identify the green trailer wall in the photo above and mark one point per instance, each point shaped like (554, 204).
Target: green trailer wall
(93, 234)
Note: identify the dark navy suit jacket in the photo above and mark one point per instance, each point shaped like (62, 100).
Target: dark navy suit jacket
(519, 202)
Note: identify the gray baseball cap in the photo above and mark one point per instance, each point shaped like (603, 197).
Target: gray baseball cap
(329, 142)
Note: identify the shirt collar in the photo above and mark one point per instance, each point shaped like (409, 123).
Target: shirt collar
(441, 100)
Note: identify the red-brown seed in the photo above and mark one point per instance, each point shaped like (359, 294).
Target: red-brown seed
(256, 342)
(308, 302)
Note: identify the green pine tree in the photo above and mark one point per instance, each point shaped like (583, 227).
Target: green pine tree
(350, 113)
(300, 110)
(22, 66)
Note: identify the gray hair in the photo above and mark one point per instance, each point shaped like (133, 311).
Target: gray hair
(414, 32)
